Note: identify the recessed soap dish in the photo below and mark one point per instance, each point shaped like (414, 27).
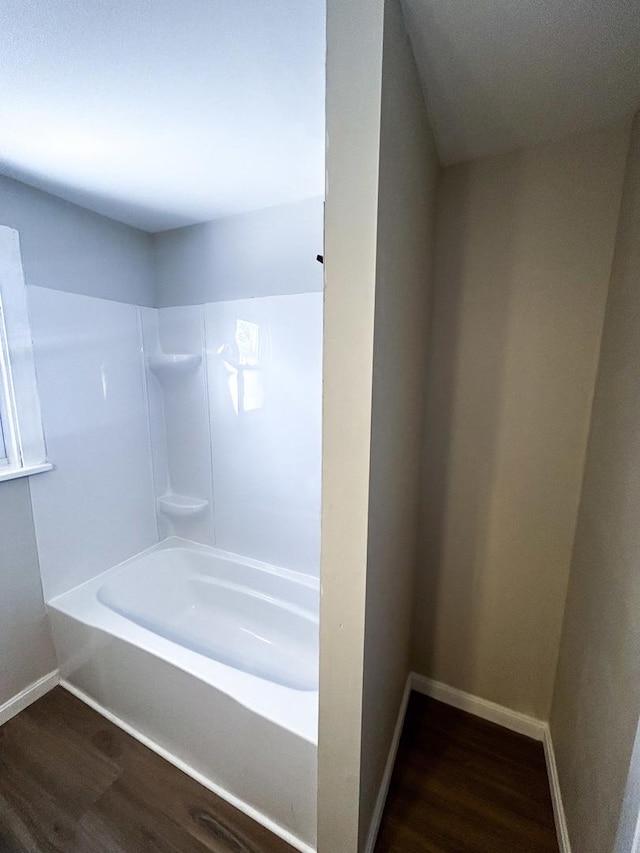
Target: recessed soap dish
(170, 365)
(181, 506)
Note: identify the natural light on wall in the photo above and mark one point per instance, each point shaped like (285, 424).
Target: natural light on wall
(22, 447)
(242, 361)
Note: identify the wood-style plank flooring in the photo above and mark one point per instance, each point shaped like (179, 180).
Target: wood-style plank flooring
(463, 785)
(72, 781)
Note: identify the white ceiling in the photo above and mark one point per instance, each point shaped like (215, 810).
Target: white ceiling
(502, 74)
(161, 113)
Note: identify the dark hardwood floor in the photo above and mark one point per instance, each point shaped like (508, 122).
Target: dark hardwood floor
(72, 781)
(463, 785)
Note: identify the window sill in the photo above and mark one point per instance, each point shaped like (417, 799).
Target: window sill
(27, 471)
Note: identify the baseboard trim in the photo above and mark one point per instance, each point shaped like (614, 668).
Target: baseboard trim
(29, 695)
(514, 721)
(505, 717)
(388, 770)
(239, 804)
(562, 829)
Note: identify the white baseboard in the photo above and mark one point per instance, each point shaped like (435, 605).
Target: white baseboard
(239, 804)
(505, 717)
(388, 770)
(23, 699)
(556, 794)
(508, 719)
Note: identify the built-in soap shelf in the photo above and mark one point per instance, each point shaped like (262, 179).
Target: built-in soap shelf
(180, 506)
(172, 365)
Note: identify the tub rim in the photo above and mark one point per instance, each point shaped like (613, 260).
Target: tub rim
(292, 709)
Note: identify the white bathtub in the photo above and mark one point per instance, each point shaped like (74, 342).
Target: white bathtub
(211, 659)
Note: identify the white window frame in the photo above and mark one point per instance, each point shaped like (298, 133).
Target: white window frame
(25, 449)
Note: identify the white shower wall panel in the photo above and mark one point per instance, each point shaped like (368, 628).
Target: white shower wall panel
(264, 368)
(96, 508)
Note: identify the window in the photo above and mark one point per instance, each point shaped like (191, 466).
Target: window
(3, 447)
(22, 447)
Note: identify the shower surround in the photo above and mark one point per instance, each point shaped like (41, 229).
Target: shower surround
(179, 532)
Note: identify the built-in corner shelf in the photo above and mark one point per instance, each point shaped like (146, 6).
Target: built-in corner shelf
(181, 506)
(172, 365)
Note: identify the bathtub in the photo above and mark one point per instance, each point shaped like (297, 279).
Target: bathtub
(211, 660)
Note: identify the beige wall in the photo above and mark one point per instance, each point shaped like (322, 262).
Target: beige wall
(523, 254)
(382, 169)
(597, 696)
(26, 647)
(628, 831)
(406, 211)
(354, 66)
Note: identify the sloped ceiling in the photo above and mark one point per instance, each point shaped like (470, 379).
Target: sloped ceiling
(504, 74)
